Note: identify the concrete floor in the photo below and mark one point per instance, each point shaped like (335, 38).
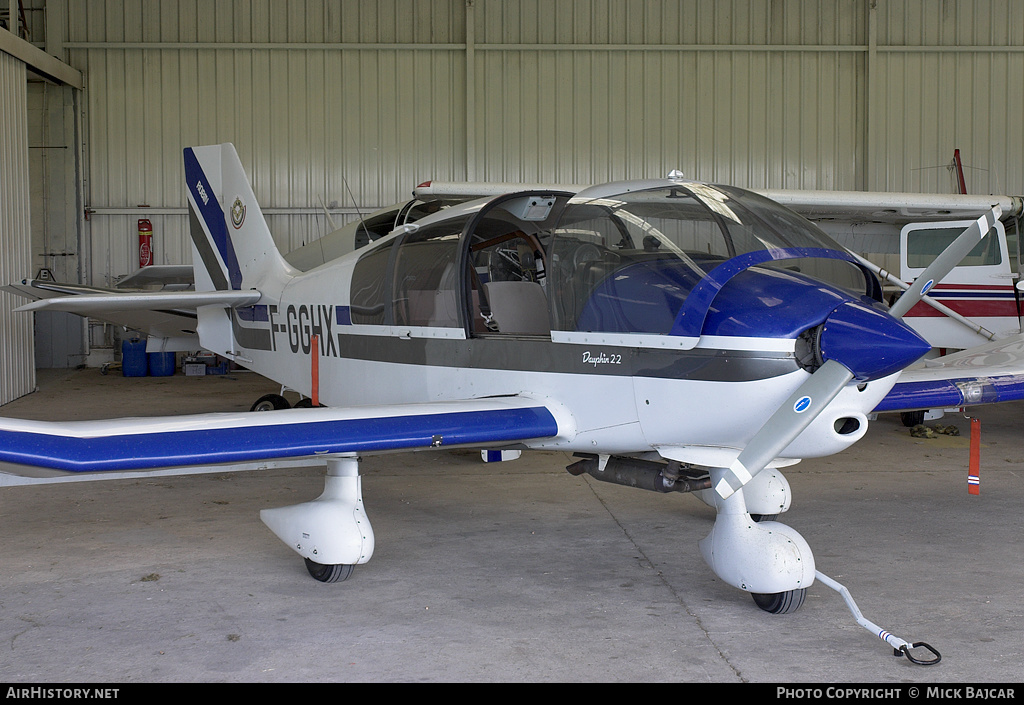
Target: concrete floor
(501, 572)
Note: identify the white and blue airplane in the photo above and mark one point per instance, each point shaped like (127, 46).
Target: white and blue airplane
(676, 335)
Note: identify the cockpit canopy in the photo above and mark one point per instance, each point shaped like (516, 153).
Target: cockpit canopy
(627, 258)
(629, 261)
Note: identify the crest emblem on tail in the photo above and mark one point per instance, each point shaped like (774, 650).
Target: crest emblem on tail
(237, 213)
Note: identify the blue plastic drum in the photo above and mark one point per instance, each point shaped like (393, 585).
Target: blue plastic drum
(161, 364)
(133, 358)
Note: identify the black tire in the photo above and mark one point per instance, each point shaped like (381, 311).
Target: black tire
(912, 418)
(780, 602)
(306, 403)
(335, 573)
(270, 402)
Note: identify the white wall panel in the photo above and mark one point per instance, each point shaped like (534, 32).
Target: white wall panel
(17, 366)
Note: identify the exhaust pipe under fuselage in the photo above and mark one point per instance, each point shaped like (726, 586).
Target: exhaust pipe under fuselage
(645, 474)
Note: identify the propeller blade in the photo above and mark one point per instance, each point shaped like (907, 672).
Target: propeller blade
(944, 263)
(788, 422)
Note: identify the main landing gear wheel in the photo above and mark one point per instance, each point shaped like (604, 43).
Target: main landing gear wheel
(780, 602)
(329, 573)
(912, 418)
(270, 402)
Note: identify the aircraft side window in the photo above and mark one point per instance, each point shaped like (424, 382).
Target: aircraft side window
(374, 227)
(925, 245)
(425, 276)
(370, 290)
(1013, 245)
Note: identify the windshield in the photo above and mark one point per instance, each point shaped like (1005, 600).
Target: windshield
(626, 263)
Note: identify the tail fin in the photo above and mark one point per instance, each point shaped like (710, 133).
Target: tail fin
(232, 245)
(232, 249)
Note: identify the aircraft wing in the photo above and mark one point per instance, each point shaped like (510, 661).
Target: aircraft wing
(166, 276)
(987, 374)
(469, 190)
(168, 315)
(88, 304)
(882, 207)
(130, 444)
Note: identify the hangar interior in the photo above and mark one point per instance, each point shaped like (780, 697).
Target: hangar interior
(346, 106)
(338, 108)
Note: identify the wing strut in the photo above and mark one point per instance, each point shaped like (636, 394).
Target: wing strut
(942, 308)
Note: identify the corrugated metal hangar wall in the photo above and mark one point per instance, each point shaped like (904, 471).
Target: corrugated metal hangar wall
(17, 372)
(355, 102)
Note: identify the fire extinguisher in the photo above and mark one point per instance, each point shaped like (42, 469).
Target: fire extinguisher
(145, 243)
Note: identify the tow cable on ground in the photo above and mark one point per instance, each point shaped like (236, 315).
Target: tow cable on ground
(899, 646)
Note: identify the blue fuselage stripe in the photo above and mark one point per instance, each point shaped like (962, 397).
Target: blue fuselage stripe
(231, 445)
(946, 294)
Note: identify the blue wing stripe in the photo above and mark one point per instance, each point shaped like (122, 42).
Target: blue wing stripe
(228, 445)
(938, 394)
(921, 395)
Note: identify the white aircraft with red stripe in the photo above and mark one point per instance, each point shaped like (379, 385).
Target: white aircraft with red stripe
(675, 335)
(977, 301)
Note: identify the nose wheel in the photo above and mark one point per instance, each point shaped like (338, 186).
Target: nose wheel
(765, 558)
(335, 573)
(780, 602)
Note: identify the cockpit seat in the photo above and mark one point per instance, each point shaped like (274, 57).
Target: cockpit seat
(518, 307)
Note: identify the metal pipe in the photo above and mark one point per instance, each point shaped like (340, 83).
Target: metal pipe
(645, 474)
(888, 276)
